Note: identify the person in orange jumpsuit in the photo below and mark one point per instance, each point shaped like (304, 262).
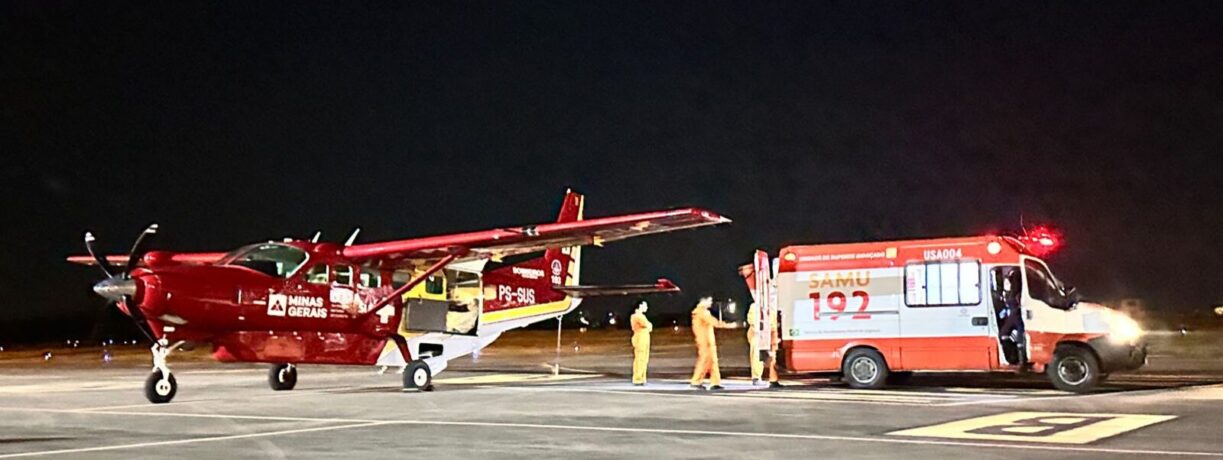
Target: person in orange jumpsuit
(641, 343)
(703, 324)
(753, 348)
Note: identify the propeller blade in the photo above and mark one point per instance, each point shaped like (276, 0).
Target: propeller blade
(138, 318)
(102, 262)
(140, 247)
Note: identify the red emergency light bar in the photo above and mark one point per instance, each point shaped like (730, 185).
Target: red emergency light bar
(1040, 241)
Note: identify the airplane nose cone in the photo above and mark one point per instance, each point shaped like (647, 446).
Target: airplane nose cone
(115, 289)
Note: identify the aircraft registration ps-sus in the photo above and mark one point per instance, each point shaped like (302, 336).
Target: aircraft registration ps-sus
(415, 304)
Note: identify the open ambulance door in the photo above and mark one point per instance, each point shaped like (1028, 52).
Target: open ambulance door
(759, 277)
(1006, 286)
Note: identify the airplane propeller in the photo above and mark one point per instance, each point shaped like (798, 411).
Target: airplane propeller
(119, 287)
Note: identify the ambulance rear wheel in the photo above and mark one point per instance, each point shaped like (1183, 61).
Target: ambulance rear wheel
(282, 377)
(1074, 369)
(864, 368)
(160, 388)
(417, 376)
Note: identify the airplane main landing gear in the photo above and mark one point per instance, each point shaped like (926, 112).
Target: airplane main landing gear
(160, 387)
(282, 377)
(417, 376)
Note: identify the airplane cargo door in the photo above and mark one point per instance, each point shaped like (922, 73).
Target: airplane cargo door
(449, 301)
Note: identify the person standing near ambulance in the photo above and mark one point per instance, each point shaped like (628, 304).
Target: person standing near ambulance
(703, 324)
(774, 340)
(753, 349)
(641, 343)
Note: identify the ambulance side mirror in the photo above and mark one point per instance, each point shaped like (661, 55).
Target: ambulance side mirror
(1072, 297)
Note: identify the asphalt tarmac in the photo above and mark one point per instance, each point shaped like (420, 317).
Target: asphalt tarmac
(507, 404)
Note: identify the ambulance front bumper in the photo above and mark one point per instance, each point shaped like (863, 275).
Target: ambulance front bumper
(1119, 356)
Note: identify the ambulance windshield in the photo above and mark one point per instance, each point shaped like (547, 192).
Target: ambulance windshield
(1044, 287)
(279, 260)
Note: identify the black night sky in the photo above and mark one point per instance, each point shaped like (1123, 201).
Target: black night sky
(232, 122)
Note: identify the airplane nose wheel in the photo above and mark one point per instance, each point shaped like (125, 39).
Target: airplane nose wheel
(418, 376)
(160, 387)
(282, 377)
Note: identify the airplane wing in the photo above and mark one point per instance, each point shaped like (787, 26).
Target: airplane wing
(502, 242)
(663, 286)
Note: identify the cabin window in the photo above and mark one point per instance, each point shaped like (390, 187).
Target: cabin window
(943, 283)
(371, 278)
(343, 274)
(317, 274)
(398, 279)
(435, 284)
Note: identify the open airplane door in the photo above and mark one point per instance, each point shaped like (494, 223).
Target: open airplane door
(450, 301)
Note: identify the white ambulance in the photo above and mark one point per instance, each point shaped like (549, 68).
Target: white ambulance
(876, 312)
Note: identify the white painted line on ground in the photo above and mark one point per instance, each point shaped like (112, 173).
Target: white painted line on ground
(191, 440)
(356, 423)
(1079, 397)
(271, 418)
(729, 395)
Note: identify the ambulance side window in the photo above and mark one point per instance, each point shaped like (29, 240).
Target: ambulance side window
(1043, 287)
(943, 283)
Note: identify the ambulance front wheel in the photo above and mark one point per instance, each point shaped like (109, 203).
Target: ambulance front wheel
(1074, 369)
(418, 376)
(864, 368)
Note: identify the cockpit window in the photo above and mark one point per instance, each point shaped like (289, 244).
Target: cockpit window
(272, 259)
(1044, 287)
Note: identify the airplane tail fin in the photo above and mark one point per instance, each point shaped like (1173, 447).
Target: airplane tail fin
(564, 264)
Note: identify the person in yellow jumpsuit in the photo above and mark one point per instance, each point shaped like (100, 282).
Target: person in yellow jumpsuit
(753, 349)
(641, 343)
(703, 324)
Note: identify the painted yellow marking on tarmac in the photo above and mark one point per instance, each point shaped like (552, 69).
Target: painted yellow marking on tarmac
(1039, 427)
(512, 378)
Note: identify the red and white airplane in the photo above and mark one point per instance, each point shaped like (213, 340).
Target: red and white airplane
(413, 304)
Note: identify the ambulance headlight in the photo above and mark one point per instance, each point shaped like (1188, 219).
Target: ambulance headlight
(1123, 329)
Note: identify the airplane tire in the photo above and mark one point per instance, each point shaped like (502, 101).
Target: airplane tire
(159, 389)
(864, 368)
(282, 377)
(418, 376)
